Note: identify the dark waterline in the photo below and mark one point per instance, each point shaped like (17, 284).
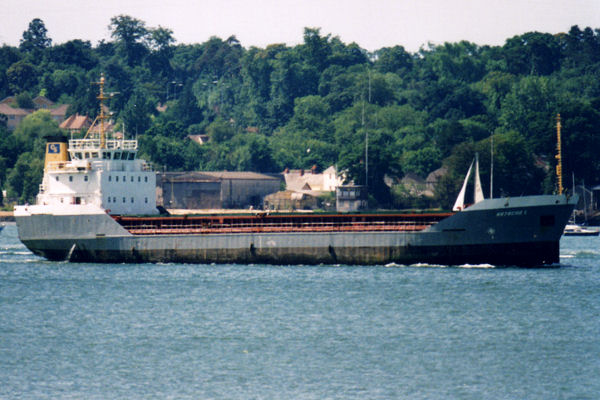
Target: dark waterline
(98, 331)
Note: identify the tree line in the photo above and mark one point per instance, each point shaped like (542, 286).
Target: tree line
(322, 102)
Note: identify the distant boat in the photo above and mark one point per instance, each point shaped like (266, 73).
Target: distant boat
(574, 229)
(580, 230)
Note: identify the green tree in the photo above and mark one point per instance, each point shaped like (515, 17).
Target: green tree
(532, 53)
(422, 161)
(316, 49)
(61, 82)
(291, 78)
(580, 141)
(21, 76)
(161, 44)
(76, 52)
(36, 126)
(393, 59)
(252, 153)
(308, 138)
(581, 47)
(219, 58)
(8, 56)
(495, 86)
(35, 38)
(24, 100)
(454, 61)
(9, 151)
(530, 109)
(130, 35)
(24, 179)
(164, 152)
(137, 113)
(220, 131)
(351, 141)
(340, 87)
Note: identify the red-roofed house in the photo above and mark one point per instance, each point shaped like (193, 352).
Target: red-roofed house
(15, 115)
(75, 123)
(42, 102)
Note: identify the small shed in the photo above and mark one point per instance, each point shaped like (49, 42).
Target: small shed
(351, 198)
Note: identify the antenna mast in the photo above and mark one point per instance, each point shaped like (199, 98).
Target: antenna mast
(559, 156)
(492, 169)
(102, 116)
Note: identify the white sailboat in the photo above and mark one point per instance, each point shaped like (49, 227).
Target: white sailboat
(573, 228)
(478, 196)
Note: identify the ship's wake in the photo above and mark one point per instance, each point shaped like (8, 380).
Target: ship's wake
(426, 265)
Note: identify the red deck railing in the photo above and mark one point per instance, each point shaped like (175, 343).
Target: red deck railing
(263, 222)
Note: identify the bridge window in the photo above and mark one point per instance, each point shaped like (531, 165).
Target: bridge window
(56, 178)
(85, 178)
(70, 178)
(109, 178)
(116, 178)
(132, 199)
(124, 155)
(124, 200)
(117, 155)
(132, 156)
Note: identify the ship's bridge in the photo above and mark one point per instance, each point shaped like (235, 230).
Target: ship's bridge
(113, 149)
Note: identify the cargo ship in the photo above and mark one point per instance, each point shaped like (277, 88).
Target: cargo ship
(97, 203)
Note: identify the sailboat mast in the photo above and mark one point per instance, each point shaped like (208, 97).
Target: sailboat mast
(559, 156)
(583, 191)
(492, 169)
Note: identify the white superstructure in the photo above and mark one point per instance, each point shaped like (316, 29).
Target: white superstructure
(96, 173)
(109, 177)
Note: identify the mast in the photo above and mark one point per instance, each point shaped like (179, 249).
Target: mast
(559, 156)
(492, 169)
(584, 192)
(102, 117)
(366, 135)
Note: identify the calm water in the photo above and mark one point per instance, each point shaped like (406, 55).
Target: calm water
(175, 331)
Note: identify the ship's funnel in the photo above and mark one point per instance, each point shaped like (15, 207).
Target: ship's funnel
(56, 150)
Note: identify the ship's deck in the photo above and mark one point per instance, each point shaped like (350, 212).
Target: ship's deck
(274, 223)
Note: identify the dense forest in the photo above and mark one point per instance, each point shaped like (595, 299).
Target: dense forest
(266, 109)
